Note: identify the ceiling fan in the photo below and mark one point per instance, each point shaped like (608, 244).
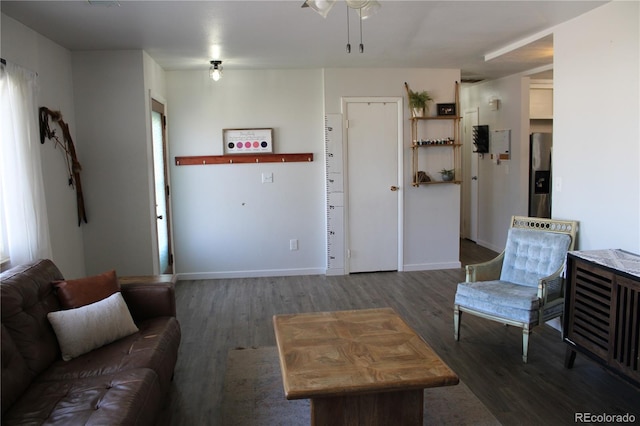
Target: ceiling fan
(365, 9)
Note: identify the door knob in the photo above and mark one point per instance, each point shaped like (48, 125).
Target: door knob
(474, 178)
(394, 188)
(159, 217)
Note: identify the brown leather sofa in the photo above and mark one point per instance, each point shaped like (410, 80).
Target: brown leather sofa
(125, 382)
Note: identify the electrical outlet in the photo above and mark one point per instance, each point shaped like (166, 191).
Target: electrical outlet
(293, 244)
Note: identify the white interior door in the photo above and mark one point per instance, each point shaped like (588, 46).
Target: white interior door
(470, 120)
(373, 190)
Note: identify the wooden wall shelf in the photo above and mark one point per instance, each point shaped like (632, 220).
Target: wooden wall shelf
(200, 160)
(420, 127)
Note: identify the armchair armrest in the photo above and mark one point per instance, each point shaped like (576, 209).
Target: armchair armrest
(486, 271)
(149, 296)
(552, 287)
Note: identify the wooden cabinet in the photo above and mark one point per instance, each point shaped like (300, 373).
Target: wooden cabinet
(437, 137)
(541, 99)
(602, 312)
(541, 104)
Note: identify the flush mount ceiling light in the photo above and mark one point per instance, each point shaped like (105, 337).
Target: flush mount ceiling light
(215, 72)
(365, 9)
(106, 3)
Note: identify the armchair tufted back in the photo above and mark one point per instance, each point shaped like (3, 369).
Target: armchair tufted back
(530, 255)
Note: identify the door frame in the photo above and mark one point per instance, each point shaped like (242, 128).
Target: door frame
(470, 210)
(155, 249)
(400, 166)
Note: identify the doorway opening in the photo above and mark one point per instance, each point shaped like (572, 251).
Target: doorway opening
(161, 187)
(470, 180)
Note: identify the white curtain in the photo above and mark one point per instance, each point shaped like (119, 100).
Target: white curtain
(23, 221)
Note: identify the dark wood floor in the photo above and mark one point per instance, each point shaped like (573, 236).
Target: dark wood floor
(219, 315)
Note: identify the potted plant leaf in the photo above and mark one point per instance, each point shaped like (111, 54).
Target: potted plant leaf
(447, 174)
(419, 102)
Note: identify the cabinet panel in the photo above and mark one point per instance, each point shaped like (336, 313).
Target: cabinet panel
(626, 327)
(541, 103)
(591, 308)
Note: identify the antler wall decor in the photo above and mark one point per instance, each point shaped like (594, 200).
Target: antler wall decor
(73, 165)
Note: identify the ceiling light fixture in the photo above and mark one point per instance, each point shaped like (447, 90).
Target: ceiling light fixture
(365, 9)
(215, 72)
(106, 3)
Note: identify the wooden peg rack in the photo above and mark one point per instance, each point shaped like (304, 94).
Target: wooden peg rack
(200, 160)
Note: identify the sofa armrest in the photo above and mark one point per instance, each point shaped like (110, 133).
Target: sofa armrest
(149, 296)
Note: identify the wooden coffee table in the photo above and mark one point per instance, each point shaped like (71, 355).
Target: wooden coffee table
(358, 367)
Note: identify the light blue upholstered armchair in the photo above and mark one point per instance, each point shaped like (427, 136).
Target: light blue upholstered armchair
(524, 285)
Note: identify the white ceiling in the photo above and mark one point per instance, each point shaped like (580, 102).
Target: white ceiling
(280, 34)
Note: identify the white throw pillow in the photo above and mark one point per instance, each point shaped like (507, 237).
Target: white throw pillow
(83, 329)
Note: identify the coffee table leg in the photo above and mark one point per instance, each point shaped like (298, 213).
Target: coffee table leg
(403, 407)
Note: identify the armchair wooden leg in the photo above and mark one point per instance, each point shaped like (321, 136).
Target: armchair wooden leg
(525, 343)
(456, 322)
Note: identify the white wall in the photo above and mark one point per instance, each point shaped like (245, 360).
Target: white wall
(431, 213)
(226, 221)
(250, 234)
(596, 126)
(25, 47)
(502, 188)
(112, 113)
(113, 146)
(596, 130)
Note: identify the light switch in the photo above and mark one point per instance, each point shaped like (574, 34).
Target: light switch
(557, 184)
(267, 177)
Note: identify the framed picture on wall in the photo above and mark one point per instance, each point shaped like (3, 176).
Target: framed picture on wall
(446, 109)
(247, 141)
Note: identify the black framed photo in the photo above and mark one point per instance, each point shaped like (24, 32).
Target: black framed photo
(446, 109)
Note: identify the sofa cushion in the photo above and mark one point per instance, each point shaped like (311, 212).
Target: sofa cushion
(83, 291)
(155, 346)
(531, 255)
(131, 397)
(83, 329)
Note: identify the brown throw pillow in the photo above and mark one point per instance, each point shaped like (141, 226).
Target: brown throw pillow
(84, 291)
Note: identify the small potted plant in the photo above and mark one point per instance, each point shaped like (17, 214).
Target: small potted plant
(447, 174)
(419, 102)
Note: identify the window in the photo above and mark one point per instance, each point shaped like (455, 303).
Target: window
(24, 227)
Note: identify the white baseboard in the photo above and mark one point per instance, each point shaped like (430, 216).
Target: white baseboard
(249, 274)
(306, 271)
(432, 266)
(489, 246)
